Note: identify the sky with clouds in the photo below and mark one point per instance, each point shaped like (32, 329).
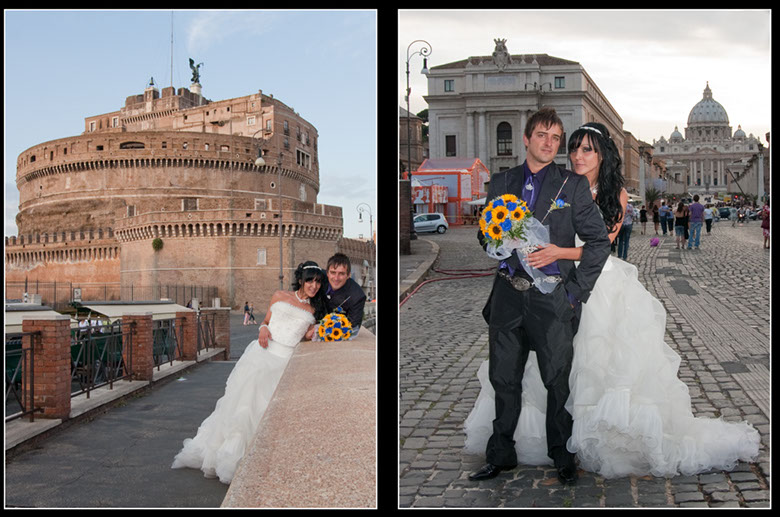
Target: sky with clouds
(62, 66)
(651, 65)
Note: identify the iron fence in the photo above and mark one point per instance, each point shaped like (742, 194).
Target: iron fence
(167, 342)
(19, 375)
(97, 357)
(206, 331)
(59, 295)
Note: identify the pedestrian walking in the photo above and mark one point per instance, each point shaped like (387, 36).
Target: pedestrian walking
(656, 219)
(680, 224)
(663, 215)
(246, 312)
(696, 220)
(625, 232)
(643, 219)
(252, 314)
(765, 224)
(708, 215)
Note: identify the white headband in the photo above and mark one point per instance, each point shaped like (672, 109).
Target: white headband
(590, 129)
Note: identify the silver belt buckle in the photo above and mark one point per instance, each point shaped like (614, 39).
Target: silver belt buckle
(517, 282)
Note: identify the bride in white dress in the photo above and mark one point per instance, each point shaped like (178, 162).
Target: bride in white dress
(223, 437)
(632, 415)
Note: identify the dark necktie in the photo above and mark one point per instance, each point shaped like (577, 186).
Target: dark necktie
(530, 191)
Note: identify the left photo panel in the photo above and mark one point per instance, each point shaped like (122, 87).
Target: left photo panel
(191, 258)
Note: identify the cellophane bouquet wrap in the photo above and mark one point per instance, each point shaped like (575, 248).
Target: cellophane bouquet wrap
(335, 326)
(508, 226)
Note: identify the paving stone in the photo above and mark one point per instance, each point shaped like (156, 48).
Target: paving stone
(443, 341)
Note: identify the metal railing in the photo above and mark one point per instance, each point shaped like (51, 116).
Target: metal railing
(97, 357)
(59, 295)
(167, 341)
(206, 331)
(20, 375)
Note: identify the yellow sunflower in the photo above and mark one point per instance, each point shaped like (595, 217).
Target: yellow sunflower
(517, 214)
(494, 231)
(500, 213)
(509, 198)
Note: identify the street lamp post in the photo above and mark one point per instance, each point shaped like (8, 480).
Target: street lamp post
(259, 162)
(425, 51)
(360, 210)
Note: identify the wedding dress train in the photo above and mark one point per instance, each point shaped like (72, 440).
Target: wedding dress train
(222, 438)
(632, 415)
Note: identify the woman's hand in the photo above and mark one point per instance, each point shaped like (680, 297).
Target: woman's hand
(310, 333)
(544, 256)
(263, 335)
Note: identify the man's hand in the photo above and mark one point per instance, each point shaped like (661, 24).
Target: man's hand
(264, 334)
(545, 255)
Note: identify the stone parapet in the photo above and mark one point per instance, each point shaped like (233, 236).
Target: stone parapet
(316, 444)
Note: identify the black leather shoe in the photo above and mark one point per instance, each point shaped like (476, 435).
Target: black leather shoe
(567, 475)
(489, 471)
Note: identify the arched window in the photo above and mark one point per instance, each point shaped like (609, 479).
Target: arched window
(504, 139)
(131, 145)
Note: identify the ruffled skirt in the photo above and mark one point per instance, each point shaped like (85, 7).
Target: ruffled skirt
(632, 415)
(223, 437)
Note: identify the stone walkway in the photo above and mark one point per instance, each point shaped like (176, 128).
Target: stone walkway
(717, 303)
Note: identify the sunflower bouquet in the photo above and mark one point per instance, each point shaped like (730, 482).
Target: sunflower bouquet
(335, 326)
(504, 219)
(509, 226)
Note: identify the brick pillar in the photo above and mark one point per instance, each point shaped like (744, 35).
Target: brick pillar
(189, 334)
(221, 326)
(142, 358)
(51, 364)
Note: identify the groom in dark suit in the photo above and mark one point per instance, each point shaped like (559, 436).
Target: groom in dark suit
(520, 317)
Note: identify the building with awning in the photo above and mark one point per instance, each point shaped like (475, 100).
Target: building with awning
(463, 179)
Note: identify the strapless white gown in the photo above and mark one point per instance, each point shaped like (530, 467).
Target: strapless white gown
(223, 437)
(632, 415)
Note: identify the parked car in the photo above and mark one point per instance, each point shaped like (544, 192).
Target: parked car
(430, 223)
(726, 212)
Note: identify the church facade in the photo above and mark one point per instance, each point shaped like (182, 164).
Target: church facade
(710, 160)
(478, 107)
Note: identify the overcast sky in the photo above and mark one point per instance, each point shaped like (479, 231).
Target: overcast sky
(63, 66)
(652, 66)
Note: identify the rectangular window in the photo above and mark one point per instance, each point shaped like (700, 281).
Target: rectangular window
(450, 147)
(250, 121)
(130, 210)
(560, 82)
(449, 85)
(260, 204)
(189, 204)
(303, 159)
(268, 125)
(115, 122)
(262, 257)
(92, 126)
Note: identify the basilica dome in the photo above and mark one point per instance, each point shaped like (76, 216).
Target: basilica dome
(708, 111)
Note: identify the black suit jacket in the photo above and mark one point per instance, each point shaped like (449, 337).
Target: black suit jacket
(581, 218)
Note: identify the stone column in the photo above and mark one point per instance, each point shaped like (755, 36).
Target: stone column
(760, 190)
(470, 135)
(482, 137)
(51, 370)
(141, 356)
(520, 143)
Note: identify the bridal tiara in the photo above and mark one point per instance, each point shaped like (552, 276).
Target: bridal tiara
(312, 267)
(588, 128)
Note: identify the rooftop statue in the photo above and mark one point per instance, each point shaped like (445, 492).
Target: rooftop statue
(195, 71)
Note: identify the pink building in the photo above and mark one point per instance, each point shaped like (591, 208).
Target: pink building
(462, 178)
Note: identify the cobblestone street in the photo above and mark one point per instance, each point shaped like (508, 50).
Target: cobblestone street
(717, 304)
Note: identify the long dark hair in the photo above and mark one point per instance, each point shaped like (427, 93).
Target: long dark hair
(610, 180)
(305, 272)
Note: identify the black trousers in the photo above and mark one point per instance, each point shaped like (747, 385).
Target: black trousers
(521, 321)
